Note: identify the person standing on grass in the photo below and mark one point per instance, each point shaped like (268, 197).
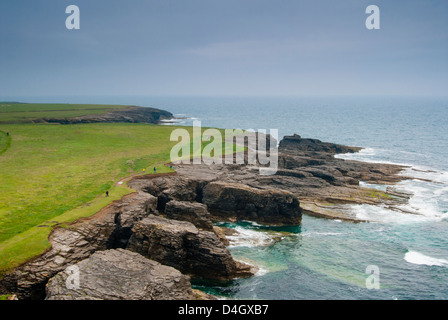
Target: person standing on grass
(155, 169)
(107, 193)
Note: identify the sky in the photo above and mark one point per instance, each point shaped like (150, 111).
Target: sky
(223, 48)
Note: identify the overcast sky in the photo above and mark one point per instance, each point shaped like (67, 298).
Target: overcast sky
(223, 47)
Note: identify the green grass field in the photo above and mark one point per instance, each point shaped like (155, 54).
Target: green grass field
(5, 142)
(52, 174)
(27, 112)
(50, 170)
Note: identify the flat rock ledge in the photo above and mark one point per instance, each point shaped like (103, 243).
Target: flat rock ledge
(119, 275)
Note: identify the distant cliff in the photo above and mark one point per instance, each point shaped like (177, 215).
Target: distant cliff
(131, 114)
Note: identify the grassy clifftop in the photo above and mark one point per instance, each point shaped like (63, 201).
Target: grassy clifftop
(52, 174)
(28, 112)
(77, 113)
(50, 170)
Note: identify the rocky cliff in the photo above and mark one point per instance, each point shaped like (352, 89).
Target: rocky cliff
(166, 227)
(179, 244)
(119, 275)
(131, 114)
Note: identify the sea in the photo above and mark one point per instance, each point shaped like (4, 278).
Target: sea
(393, 256)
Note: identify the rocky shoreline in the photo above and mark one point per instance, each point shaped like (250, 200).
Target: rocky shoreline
(149, 244)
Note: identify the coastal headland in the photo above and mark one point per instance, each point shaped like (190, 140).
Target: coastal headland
(149, 243)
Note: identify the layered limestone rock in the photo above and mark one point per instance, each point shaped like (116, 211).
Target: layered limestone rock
(181, 245)
(119, 275)
(309, 170)
(194, 212)
(109, 228)
(167, 188)
(239, 202)
(223, 198)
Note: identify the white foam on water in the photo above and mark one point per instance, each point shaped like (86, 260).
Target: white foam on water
(249, 238)
(170, 122)
(314, 233)
(373, 186)
(441, 191)
(363, 153)
(373, 213)
(429, 189)
(372, 155)
(252, 223)
(426, 199)
(415, 257)
(421, 172)
(261, 269)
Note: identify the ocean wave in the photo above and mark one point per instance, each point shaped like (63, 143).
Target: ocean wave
(415, 257)
(244, 237)
(427, 198)
(428, 187)
(171, 121)
(373, 186)
(426, 173)
(261, 269)
(376, 155)
(312, 233)
(365, 152)
(404, 215)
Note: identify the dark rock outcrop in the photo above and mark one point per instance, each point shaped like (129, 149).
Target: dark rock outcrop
(296, 142)
(119, 275)
(309, 170)
(193, 212)
(167, 188)
(240, 202)
(181, 245)
(223, 197)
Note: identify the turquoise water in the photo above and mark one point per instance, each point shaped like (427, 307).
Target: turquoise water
(327, 259)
